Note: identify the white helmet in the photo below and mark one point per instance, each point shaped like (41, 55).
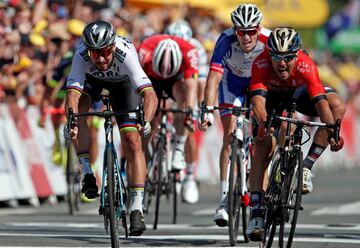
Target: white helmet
(167, 58)
(246, 16)
(180, 28)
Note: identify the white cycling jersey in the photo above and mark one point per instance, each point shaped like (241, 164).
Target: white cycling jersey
(125, 63)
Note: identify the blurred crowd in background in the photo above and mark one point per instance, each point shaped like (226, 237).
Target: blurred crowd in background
(36, 34)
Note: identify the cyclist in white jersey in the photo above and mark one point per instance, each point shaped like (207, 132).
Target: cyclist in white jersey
(229, 78)
(106, 61)
(189, 189)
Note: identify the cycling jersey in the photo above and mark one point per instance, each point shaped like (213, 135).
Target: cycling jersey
(125, 64)
(303, 73)
(235, 65)
(190, 62)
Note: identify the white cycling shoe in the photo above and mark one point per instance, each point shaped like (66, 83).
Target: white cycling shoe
(221, 216)
(178, 161)
(189, 190)
(307, 186)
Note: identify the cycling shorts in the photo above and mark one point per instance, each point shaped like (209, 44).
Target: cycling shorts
(122, 94)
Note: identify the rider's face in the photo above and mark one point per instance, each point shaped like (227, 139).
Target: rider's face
(283, 64)
(247, 38)
(102, 58)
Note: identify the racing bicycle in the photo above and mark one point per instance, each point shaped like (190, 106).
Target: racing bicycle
(113, 194)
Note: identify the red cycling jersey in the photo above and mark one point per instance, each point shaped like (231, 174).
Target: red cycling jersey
(304, 72)
(190, 62)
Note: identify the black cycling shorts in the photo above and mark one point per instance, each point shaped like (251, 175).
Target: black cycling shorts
(122, 94)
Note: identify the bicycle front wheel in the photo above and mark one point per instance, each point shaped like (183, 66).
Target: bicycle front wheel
(72, 180)
(292, 190)
(272, 198)
(234, 193)
(110, 203)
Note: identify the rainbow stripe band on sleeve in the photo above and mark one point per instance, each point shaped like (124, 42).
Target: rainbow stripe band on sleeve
(144, 87)
(128, 127)
(76, 90)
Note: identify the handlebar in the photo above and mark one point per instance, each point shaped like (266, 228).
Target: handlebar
(235, 110)
(334, 126)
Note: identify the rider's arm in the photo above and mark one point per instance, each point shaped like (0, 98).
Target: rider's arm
(72, 100)
(258, 102)
(142, 83)
(150, 104)
(323, 109)
(211, 88)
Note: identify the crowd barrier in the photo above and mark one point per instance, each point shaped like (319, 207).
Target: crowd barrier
(27, 172)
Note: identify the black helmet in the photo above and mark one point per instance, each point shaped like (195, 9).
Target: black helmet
(284, 40)
(98, 34)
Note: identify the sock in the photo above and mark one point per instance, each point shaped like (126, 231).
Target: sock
(137, 196)
(223, 190)
(180, 142)
(256, 204)
(314, 153)
(85, 164)
(190, 168)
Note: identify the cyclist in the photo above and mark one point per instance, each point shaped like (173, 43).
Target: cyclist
(107, 61)
(229, 77)
(280, 73)
(189, 189)
(172, 65)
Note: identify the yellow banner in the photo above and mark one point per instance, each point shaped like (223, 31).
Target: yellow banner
(295, 13)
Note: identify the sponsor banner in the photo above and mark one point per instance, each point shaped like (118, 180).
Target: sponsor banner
(43, 139)
(7, 183)
(15, 151)
(33, 155)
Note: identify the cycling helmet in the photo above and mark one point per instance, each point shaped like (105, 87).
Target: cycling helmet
(167, 58)
(246, 16)
(98, 34)
(284, 40)
(180, 28)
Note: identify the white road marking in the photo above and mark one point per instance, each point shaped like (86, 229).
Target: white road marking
(344, 209)
(178, 237)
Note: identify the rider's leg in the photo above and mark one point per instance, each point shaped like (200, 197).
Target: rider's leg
(82, 148)
(136, 172)
(320, 141)
(263, 151)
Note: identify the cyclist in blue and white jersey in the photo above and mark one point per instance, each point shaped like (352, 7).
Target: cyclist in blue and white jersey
(229, 78)
(189, 189)
(107, 61)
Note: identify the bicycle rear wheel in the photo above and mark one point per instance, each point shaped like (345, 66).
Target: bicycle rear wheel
(292, 197)
(234, 193)
(110, 203)
(174, 179)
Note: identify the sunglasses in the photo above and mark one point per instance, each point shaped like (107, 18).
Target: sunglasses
(104, 52)
(250, 32)
(286, 57)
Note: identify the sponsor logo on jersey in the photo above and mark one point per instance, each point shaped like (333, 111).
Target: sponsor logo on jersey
(85, 55)
(120, 55)
(262, 63)
(302, 67)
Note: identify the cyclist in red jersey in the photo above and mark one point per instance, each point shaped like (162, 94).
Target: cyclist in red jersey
(172, 65)
(280, 74)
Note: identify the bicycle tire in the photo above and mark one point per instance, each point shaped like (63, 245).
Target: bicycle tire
(158, 181)
(291, 198)
(114, 234)
(173, 181)
(71, 183)
(234, 195)
(295, 194)
(271, 199)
